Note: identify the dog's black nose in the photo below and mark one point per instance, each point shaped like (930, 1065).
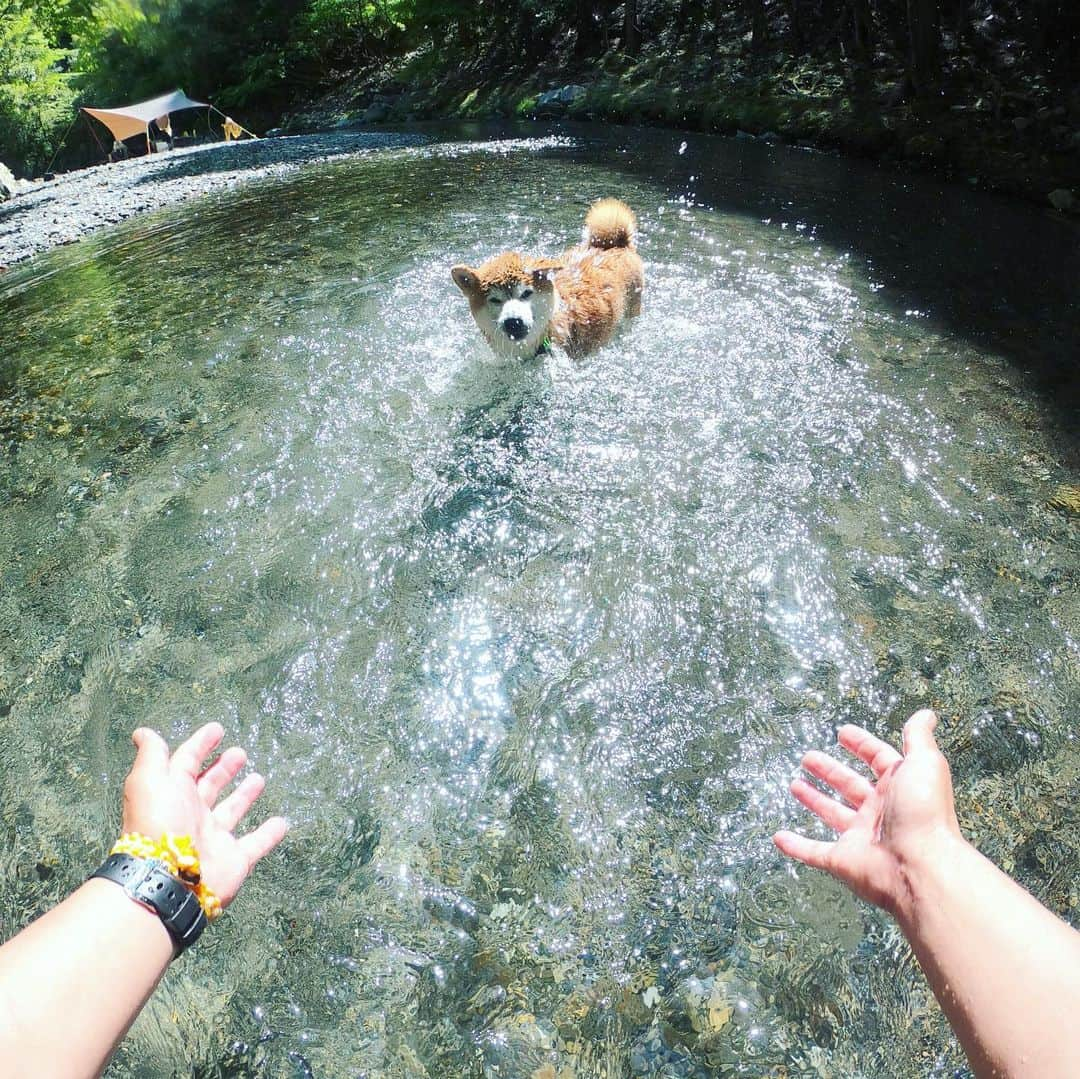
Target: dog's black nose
(515, 328)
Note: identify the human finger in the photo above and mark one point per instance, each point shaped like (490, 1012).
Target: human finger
(231, 811)
(811, 852)
(835, 814)
(851, 786)
(220, 774)
(151, 750)
(265, 838)
(197, 748)
(879, 755)
(919, 732)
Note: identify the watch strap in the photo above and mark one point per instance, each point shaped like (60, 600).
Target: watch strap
(149, 883)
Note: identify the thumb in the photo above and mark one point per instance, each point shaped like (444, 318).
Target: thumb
(151, 750)
(919, 732)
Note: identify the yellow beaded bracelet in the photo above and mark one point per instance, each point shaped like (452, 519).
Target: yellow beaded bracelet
(179, 856)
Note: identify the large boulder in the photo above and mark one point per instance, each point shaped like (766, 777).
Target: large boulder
(379, 110)
(376, 113)
(1063, 200)
(9, 186)
(556, 102)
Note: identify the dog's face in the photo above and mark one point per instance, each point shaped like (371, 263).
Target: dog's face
(513, 301)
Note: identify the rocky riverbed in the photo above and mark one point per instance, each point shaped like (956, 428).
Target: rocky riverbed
(64, 210)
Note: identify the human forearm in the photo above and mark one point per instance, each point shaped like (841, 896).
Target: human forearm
(72, 982)
(1004, 969)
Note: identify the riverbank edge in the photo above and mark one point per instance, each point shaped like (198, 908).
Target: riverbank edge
(1017, 155)
(77, 204)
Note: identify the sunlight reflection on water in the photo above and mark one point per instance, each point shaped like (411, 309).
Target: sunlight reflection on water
(528, 655)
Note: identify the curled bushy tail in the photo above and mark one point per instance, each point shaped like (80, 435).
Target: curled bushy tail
(610, 223)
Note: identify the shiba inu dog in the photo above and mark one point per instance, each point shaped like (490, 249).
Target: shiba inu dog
(524, 305)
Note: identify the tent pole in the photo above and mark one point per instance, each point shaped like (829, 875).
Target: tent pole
(94, 133)
(48, 168)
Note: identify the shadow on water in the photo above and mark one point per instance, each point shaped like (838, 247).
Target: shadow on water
(996, 271)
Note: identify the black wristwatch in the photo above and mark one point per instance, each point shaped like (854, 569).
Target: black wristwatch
(150, 883)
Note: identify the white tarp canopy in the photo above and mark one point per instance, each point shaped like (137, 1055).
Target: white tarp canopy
(133, 119)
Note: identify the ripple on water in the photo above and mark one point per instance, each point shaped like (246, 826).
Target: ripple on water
(529, 655)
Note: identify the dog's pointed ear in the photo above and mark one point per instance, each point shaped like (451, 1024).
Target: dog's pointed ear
(465, 278)
(544, 274)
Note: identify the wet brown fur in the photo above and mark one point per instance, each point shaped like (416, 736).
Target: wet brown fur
(599, 284)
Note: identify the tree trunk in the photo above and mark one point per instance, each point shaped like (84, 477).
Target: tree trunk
(759, 24)
(924, 28)
(863, 30)
(585, 21)
(687, 13)
(631, 36)
(529, 44)
(717, 15)
(957, 13)
(465, 31)
(795, 25)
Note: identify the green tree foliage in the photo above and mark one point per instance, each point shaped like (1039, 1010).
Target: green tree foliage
(345, 30)
(255, 53)
(114, 45)
(35, 93)
(266, 56)
(137, 48)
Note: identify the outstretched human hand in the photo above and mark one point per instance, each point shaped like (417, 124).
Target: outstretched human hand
(173, 793)
(885, 828)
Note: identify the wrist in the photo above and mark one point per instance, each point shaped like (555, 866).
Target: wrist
(178, 855)
(923, 870)
(148, 883)
(164, 876)
(136, 922)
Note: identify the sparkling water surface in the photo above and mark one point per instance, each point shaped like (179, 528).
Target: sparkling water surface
(529, 653)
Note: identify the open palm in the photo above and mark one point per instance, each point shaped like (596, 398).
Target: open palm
(882, 827)
(173, 793)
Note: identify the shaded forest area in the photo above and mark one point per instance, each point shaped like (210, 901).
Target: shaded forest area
(986, 89)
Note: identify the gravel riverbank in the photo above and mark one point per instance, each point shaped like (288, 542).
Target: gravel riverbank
(76, 204)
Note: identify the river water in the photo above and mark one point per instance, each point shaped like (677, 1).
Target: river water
(529, 654)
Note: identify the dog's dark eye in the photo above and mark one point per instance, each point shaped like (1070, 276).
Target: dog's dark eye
(495, 299)
(526, 293)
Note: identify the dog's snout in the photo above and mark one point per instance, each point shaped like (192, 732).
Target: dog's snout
(515, 328)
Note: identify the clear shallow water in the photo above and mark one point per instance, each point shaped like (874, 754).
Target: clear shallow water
(529, 655)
